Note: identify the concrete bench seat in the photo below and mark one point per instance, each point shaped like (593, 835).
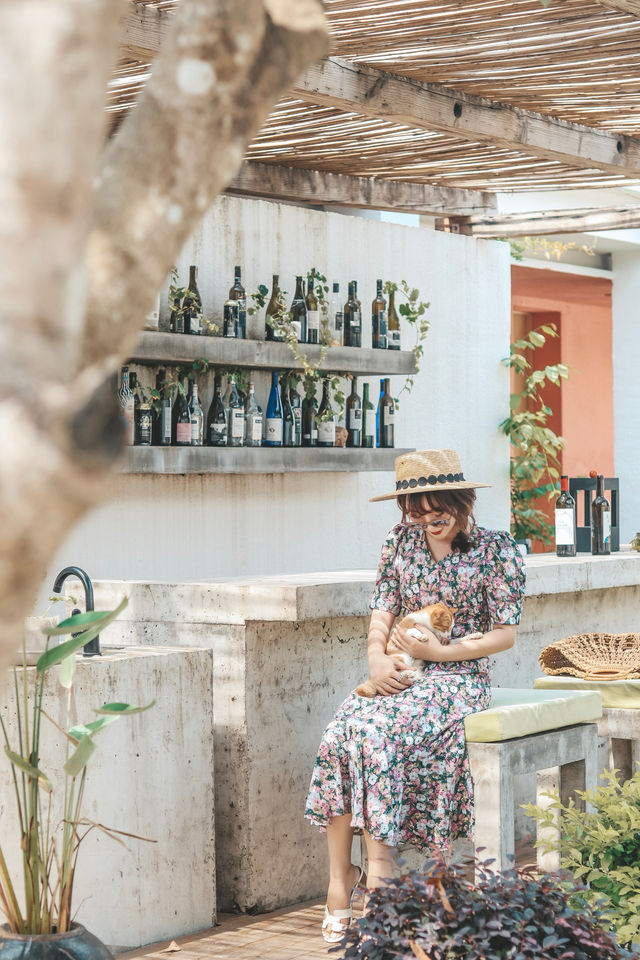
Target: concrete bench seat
(619, 727)
(553, 733)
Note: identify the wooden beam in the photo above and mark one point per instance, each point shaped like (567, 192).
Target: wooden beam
(624, 6)
(540, 224)
(374, 93)
(333, 189)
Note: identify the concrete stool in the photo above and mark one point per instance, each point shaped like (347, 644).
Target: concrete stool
(551, 733)
(619, 728)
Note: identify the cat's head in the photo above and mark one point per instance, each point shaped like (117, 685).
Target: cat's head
(436, 616)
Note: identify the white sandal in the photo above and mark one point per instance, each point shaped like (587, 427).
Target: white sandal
(336, 924)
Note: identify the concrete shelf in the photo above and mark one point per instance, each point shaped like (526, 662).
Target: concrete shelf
(180, 460)
(162, 348)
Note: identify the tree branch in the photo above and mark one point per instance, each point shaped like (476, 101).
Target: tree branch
(221, 68)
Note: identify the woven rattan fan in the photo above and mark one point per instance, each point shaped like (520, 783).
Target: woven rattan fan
(594, 656)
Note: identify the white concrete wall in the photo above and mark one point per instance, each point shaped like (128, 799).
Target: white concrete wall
(186, 528)
(152, 775)
(626, 388)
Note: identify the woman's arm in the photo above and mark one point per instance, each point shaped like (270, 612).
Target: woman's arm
(383, 670)
(501, 637)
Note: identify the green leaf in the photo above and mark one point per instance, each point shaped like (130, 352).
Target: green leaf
(63, 650)
(29, 769)
(74, 623)
(537, 339)
(89, 729)
(67, 671)
(120, 709)
(80, 757)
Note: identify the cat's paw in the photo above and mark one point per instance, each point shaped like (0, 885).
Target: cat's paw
(472, 636)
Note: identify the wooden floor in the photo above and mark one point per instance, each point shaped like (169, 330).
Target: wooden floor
(291, 933)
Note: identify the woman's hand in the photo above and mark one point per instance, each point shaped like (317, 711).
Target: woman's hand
(429, 648)
(386, 674)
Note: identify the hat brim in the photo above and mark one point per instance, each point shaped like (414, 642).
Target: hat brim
(432, 488)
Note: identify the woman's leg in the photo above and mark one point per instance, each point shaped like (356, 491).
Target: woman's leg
(342, 873)
(381, 860)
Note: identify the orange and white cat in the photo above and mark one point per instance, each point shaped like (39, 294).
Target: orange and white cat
(438, 618)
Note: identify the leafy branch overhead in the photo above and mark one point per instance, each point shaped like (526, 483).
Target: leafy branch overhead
(535, 447)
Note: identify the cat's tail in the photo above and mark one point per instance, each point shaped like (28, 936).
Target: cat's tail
(366, 689)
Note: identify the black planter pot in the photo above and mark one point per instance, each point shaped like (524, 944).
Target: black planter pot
(76, 944)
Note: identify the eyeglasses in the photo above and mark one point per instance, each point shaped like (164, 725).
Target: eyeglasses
(430, 523)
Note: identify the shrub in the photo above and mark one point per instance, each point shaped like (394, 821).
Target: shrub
(602, 848)
(440, 914)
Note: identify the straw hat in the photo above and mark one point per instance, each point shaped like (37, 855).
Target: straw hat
(429, 471)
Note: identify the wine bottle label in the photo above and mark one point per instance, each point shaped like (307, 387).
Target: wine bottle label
(327, 431)
(564, 527)
(606, 526)
(236, 416)
(356, 318)
(128, 414)
(256, 433)
(313, 320)
(144, 428)
(389, 414)
(195, 322)
(218, 434)
(355, 418)
(165, 425)
(274, 429)
(370, 423)
(195, 431)
(183, 432)
(296, 326)
(393, 339)
(231, 320)
(338, 320)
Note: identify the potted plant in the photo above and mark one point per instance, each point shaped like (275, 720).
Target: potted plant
(440, 913)
(535, 448)
(39, 918)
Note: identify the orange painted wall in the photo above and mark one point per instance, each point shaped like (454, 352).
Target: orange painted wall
(582, 308)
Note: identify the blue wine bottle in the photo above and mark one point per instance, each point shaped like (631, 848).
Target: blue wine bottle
(275, 417)
(378, 413)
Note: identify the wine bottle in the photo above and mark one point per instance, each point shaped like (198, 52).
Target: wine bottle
(275, 311)
(379, 320)
(217, 417)
(230, 315)
(336, 317)
(299, 312)
(393, 324)
(600, 520)
(352, 318)
(141, 414)
(386, 416)
(313, 313)
(309, 425)
(166, 410)
(325, 418)
(196, 414)
(192, 305)
(183, 419)
(368, 419)
(133, 386)
(354, 416)
(565, 518)
(296, 405)
(289, 420)
(238, 295)
(235, 427)
(125, 397)
(252, 419)
(378, 409)
(155, 414)
(275, 424)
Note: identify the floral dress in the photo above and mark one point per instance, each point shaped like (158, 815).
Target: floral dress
(399, 764)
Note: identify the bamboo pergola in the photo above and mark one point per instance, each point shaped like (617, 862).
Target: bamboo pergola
(433, 106)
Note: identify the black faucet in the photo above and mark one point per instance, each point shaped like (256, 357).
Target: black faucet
(91, 649)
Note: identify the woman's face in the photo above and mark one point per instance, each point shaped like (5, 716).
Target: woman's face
(438, 524)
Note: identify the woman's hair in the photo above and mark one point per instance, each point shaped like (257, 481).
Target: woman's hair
(458, 503)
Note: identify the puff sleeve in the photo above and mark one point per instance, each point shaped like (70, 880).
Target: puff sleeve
(386, 594)
(504, 579)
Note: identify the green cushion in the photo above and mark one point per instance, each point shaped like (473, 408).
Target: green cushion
(518, 713)
(623, 694)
